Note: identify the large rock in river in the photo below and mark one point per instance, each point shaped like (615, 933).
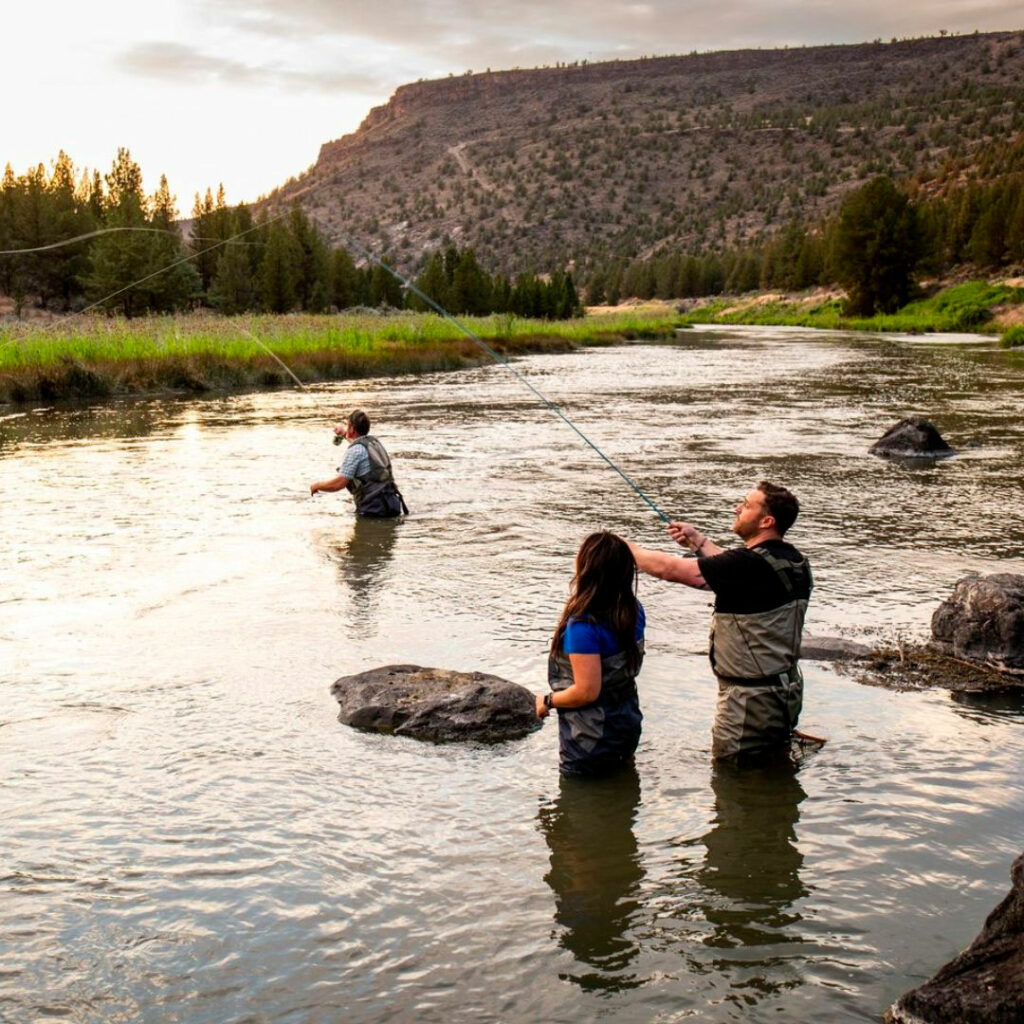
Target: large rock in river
(913, 437)
(985, 983)
(983, 621)
(436, 704)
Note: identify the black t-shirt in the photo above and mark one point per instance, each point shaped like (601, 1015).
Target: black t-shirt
(745, 583)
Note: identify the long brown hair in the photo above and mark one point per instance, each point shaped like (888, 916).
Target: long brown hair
(604, 591)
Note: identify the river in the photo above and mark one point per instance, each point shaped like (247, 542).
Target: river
(189, 834)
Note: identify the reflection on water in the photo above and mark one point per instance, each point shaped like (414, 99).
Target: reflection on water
(751, 872)
(595, 874)
(189, 834)
(363, 559)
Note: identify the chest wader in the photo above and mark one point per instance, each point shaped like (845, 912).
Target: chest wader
(756, 660)
(602, 736)
(375, 492)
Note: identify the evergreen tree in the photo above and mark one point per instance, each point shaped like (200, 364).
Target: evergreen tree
(877, 248)
(174, 284)
(278, 273)
(122, 258)
(233, 289)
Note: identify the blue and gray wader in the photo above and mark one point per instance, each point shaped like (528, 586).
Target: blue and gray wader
(600, 737)
(755, 658)
(375, 492)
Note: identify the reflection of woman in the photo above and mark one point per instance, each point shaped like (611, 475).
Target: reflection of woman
(596, 872)
(596, 653)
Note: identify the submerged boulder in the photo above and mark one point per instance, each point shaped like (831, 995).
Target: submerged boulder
(913, 437)
(985, 983)
(436, 704)
(983, 621)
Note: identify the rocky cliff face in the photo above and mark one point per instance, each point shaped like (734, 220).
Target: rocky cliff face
(537, 168)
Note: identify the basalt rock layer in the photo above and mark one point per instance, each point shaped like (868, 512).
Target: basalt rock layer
(436, 704)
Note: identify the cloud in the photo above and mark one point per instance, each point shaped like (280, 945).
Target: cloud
(452, 35)
(182, 64)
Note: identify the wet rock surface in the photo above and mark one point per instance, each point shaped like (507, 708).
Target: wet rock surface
(436, 704)
(831, 648)
(913, 437)
(983, 621)
(985, 983)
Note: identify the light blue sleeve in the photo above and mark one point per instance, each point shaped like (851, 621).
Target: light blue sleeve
(352, 464)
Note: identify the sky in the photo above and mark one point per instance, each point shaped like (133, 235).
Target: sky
(245, 92)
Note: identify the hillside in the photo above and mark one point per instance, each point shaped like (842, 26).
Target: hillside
(540, 168)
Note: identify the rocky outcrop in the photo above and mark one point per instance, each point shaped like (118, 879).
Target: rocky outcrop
(912, 438)
(983, 621)
(831, 648)
(985, 983)
(436, 704)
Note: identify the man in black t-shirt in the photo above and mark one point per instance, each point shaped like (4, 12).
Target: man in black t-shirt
(761, 593)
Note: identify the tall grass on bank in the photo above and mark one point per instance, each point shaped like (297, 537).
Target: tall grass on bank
(1013, 338)
(964, 307)
(100, 356)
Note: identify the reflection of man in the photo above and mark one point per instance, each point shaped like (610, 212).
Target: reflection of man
(365, 471)
(761, 594)
(753, 860)
(596, 871)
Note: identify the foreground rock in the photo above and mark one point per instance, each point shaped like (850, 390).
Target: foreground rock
(985, 983)
(436, 704)
(913, 437)
(983, 622)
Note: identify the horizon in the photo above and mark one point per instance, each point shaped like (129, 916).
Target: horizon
(310, 72)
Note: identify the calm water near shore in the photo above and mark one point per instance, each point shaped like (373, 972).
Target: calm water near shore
(190, 835)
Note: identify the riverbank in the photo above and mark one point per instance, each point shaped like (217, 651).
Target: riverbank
(976, 306)
(99, 357)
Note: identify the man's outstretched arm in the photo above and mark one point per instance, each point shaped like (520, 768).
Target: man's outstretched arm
(668, 567)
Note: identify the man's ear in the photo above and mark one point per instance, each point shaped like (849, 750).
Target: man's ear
(768, 522)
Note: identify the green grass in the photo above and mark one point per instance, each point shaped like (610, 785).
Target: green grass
(1013, 338)
(98, 356)
(964, 307)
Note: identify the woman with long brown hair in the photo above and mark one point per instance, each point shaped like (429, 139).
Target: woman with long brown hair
(596, 653)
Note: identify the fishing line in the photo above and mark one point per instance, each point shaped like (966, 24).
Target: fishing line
(401, 278)
(498, 358)
(81, 238)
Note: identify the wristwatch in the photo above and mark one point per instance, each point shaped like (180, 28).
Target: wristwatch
(548, 700)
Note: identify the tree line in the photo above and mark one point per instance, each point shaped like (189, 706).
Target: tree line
(883, 236)
(230, 261)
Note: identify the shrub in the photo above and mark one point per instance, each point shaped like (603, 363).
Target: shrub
(1013, 338)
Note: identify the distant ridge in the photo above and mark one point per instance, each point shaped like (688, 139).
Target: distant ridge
(590, 162)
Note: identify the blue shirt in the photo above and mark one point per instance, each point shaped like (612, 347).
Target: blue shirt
(356, 462)
(596, 638)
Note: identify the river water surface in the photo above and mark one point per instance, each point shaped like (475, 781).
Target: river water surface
(188, 834)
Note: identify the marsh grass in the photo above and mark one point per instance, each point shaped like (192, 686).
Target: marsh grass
(1013, 338)
(98, 357)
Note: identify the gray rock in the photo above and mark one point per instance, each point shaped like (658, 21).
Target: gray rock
(983, 621)
(436, 704)
(985, 983)
(831, 648)
(913, 437)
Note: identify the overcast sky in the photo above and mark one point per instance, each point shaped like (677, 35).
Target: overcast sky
(245, 91)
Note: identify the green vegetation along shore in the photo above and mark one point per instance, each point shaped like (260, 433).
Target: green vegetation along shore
(98, 357)
(974, 306)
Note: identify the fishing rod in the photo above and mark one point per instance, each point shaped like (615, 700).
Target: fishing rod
(502, 361)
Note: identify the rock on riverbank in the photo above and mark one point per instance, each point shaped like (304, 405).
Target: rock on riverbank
(436, 704)
(983, 621)
(985, 983)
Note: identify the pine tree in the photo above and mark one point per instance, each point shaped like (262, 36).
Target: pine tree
(122, 258)
(279, 271)
(174, 284)
(877, 247)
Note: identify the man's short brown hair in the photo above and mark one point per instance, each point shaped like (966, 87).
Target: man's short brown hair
(359, 422)
(781, 504)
